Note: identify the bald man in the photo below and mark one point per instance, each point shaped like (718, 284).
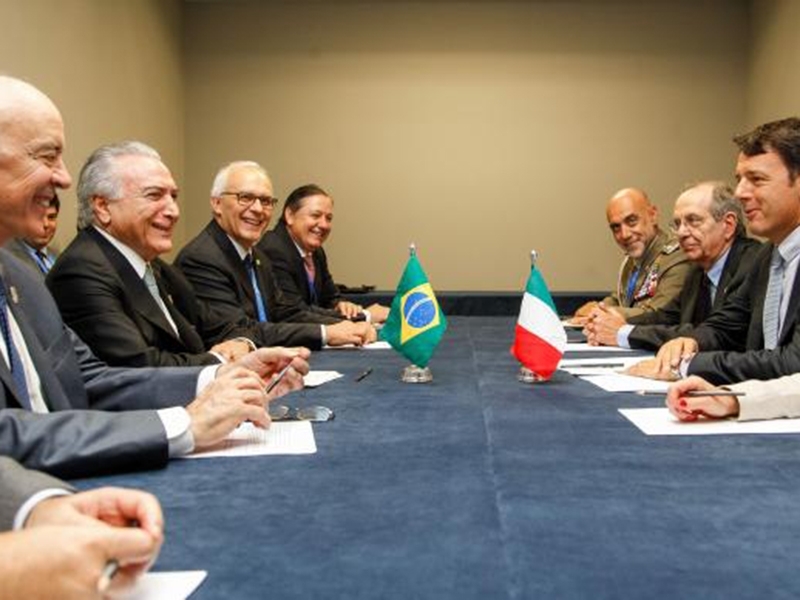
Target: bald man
(654, 269)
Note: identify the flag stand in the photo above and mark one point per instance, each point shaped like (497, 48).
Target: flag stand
(415, 374)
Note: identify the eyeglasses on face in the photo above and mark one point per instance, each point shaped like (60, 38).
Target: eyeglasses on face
(692, 222)
(246, 199)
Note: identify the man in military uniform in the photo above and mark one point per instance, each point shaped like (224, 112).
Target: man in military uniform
(654, 269)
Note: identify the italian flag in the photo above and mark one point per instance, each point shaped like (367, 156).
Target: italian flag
(539, 338)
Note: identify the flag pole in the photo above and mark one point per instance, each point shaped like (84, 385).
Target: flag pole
(525, 375)
(414, 373)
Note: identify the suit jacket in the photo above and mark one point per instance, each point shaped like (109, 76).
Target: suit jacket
(18, 248)
(731, 340)
(109, 306)
(213, 266)
(72, 440)
(678, 318)
(290, 273)
(19, 484)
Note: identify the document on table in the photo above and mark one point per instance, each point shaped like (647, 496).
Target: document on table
(379, 345)
(165, 585)
(627, 383)
(607, 365)
(317, 378)
(584, 347)
(659, 421)
(290, 437)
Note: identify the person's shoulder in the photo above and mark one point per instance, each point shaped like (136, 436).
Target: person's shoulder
(197, 245)
(670, 254)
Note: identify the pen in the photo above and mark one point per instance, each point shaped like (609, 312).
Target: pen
(364, 375)
(109, 571)
(696, 393)
(277, 379)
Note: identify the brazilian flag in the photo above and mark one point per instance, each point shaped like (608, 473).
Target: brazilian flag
(415, 323)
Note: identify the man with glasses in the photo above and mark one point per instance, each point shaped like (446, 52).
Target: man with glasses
(233, 276)
(755, 334)
(129, 306)
(709, 224)
(654, 269)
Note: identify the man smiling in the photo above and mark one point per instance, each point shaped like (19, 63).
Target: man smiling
(234, 277)
(129, 306)
(709, 225)
(755, 334)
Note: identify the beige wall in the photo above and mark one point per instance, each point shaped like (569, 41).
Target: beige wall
(478, 130)
(774, 84)
(113, 67)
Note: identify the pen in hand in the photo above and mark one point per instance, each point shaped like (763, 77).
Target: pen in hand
(364, 375)
(277, 379)
(109, 571)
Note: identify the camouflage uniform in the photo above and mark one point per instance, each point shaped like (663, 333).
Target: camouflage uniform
(662, 271)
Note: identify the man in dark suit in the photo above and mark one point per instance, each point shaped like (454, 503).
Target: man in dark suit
(756, 333)
(62, 540)
(709, 225)
(233, 276)
(299, 261)
(130, 307)
(51, 383)
(33, 248)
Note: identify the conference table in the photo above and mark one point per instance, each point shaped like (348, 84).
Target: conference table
(478, 486)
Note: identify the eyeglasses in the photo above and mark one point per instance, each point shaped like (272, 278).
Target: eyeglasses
(692, 222)
(315, 414)
(246, 199)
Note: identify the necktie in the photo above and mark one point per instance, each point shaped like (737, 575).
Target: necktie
(152, 287)
(14, 361)
(261, 307)
(704, 302)
(634, 276)
(311, 273)
(41, 260)
(772, 301)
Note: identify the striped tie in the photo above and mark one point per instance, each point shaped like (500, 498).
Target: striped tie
(772, 301)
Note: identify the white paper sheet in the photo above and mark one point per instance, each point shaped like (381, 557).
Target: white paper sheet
(379, 345)
(584, 347)
(659, 421)
(289, 437)
(607, 365)
(627, 383)
(165, 585)
(317, 378)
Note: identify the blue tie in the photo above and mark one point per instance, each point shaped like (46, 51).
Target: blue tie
(14, 361)
(634, 276)
(772, 301)
(261, 308)
(41, 260)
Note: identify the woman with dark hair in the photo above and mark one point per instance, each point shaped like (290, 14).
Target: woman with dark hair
(298, 259)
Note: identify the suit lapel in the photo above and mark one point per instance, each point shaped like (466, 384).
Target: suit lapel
(51, 390)
(234, 261)
(135, 289)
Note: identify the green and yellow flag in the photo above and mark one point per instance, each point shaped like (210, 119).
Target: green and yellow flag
(416, 323)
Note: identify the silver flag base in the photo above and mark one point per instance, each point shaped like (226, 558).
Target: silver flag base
(525, 375)
(415, 374)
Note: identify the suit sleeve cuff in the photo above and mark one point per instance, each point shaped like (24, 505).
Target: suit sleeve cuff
(178, 427)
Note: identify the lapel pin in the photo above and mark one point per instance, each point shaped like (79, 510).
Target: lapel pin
(14, 295)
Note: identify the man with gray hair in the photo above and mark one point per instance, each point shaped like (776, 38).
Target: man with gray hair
(235, 277)
(132, 308)
(61, 409)
(709, 225)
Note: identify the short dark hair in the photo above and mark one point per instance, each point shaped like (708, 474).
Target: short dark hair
(294, 201)
(782, 137)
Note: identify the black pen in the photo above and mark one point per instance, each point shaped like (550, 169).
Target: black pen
(364, 375)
